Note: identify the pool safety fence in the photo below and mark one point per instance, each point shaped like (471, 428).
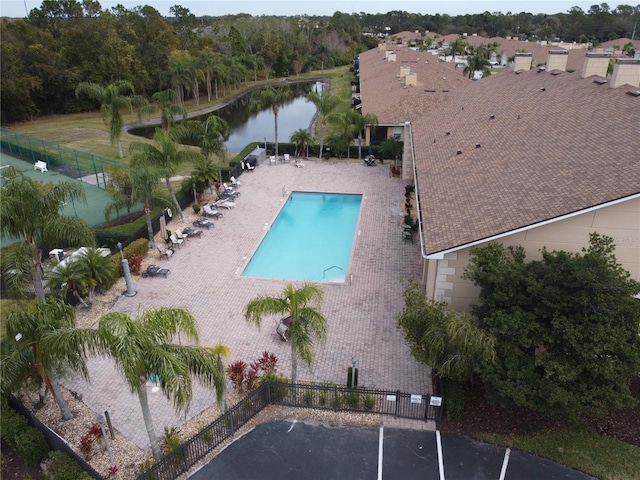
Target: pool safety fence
(72, 163)
(324, 397)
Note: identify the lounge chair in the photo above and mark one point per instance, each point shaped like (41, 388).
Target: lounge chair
(286, 158)
(175, 241)
(165, 252)
(154, 270)
(235, 183)
(40, 165)
(299, 163)
(192, 232)
(228, 204)
(212, 212)
(230, 191)
(249, 166)
(272, 160)
(205, 222)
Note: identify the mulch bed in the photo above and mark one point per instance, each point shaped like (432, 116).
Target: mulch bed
(480, 416)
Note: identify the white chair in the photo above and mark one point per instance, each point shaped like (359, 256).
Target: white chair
(272, 159)
(286, 158)
(40, 165)
(212, 212)
(228, 204)
(175, 241)
(235, 183)
(299, 163)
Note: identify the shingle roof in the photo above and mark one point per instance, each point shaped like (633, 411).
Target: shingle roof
(556, 144)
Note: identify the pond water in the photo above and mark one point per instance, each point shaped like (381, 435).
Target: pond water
(247, 126)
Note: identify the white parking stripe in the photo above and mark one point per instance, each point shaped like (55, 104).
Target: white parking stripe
(440, 459)
(380, 442)
(505, 462)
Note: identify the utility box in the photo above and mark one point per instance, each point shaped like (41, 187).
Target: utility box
(256, 157)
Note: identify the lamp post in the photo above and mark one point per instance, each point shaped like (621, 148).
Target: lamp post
(107, 443)
(127, 274)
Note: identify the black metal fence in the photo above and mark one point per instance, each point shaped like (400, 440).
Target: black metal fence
(67, 161)
(326, 397)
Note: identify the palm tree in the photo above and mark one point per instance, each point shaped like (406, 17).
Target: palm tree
(476, 63)
(112, 103)
(165, 155)
(31, 212)
(325, 104)
(205, 174)
(89, 270)
(169, 109)
(391, 148)
(301, 138)
(33, 356)
(307, 322)
(143, 347)
(274, 98)
(353, 124)
(209, 135)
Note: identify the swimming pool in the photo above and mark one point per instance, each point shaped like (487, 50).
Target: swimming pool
(311, 239)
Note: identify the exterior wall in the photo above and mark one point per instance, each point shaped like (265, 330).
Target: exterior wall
(557, 60)
(595, 64)
(621, 222)
(522, 61)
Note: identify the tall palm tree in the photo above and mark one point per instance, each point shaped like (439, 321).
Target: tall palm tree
(169, 109)
(165, 155)
(325, 104)
(31, 355)
(209, 135)
(390, 147)
(144, 347)
(144, 179)
(354, 123)
(31, 212)
(301, 138)
(476, 63)
(112, 101)
(274, 98)
(205, 174)
(307, 322)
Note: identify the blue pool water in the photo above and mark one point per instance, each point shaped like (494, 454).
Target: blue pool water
(311, 239)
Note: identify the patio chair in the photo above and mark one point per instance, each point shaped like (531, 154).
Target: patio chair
(228, 204)
(212, 212)
(235, 183)
(175, 241)
(205, 222)
(286, 158)
(230, 191)
(299, 163)
(180, 235)
(154, 271)
(272, 160)
(165, 252)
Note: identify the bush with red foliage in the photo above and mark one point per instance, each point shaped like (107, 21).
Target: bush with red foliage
(246, 377)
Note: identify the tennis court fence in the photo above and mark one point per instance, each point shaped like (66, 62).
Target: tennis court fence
(72, 163)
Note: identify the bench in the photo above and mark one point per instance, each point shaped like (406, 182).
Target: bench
(40, 165)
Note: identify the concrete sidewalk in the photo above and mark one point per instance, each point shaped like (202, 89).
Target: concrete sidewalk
(205, 279)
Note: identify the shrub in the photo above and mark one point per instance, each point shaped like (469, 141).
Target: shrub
(352, 399)
(454, 406)
(86, 445)
(246, 377)
(135, 263)
(31, 447)
(171, 440)
(61, 466)
(369, 401)
(139, 246)
(308, 396)
(196, 208)
(277, 393)
(11, 424)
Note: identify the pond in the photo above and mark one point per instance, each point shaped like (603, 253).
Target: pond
(247, 126)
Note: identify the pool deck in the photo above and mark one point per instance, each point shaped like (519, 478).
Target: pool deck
(206, 279)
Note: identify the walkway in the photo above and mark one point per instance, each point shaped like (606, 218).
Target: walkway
(205, 279)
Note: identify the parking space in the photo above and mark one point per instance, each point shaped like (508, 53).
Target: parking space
(294, 450)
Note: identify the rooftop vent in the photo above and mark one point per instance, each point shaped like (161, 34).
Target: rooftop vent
(478, 145)
(492, 117)
(600, 81)
(541, 69)
(555, 73)
(634, 93)
(459, 152)
(430, 90)
(447, 133)
(544, 89)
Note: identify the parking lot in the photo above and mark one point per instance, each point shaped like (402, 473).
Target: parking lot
(288, 450)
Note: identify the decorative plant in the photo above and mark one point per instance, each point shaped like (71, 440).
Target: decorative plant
(196, 208)
(246, 377)
(86, 445)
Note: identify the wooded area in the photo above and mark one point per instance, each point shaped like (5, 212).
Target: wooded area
(66, 42)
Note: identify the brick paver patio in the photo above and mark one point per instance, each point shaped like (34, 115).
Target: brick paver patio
(205, 279)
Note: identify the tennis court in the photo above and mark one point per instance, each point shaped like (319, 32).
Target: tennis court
(97, 198)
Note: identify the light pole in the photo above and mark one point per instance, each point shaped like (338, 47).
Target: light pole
(127, 274)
